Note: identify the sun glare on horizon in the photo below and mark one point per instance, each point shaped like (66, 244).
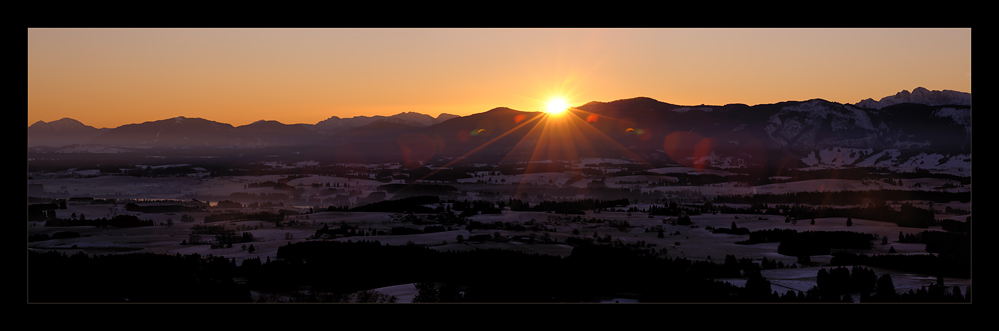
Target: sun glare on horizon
(556, 106)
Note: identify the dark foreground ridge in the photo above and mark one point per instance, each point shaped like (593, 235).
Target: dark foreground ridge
(331, 271)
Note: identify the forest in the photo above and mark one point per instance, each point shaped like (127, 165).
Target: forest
(589, 273)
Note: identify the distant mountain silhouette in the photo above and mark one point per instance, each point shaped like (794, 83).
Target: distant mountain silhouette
(178, 131)
(336, 124)
(270, 133)
(66, 131)
(641, 129)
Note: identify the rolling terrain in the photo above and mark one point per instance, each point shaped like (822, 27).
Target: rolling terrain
(633, 200)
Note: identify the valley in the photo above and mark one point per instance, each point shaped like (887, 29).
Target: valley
(633, 200)
(502, 207)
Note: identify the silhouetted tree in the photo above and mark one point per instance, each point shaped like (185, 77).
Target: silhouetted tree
(427, 293)
(885, 289)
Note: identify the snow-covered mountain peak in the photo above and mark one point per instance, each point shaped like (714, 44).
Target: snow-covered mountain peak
(919, 95)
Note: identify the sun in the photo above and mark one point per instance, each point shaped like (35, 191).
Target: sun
(556, 106)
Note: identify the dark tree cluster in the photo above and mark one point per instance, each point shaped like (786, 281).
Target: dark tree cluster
(406, 205)
(907, 215)
(916, 263)
(228, 204)
(845, 197)
(240, 216)
(157, 171)
(508, 226)
(120, 221)
(43, 211)
(822, 242)
(955, 226)
(589, 273)
(576, 207)
(769, 236)
(134, 277)
(841, 280)
(229, 237)
(345, 230)
(673, 209)
(469, 208)
(732, 230)
(160, 208)
(418, 189)
(956, 245)
(837, 284)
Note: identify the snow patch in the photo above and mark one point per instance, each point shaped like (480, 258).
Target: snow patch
(836, 157)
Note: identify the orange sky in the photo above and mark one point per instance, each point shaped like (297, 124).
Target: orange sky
(107, 77)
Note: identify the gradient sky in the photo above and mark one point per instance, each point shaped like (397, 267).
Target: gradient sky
(107, 77)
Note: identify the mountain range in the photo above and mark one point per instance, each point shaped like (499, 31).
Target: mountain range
(890, 131)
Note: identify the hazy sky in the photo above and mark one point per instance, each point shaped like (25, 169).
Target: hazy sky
(107, 77)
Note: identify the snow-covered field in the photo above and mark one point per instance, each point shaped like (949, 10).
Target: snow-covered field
(691, 242)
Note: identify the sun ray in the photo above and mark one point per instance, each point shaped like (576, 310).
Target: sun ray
(560, 133)
(596, 132)
(476, 149)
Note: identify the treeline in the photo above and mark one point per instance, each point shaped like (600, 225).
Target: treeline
(953, 250)
(161, 208)
(345, 230)
(955, 226)
(907, 215)
(418, 204)
(440, 174)
(916, 263)
(508, 226)
(955, 245)
(418, 189)
(42, 211)
(844, 197)
(761, 176)
(151, 171)
(118, 221)
(405, 205)
(837, 284)
(576, 207)
(475, 207)
(589, 273)
(673, 209)
(232, 216)
(822, 242)
(794, 243)
(136, 277)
